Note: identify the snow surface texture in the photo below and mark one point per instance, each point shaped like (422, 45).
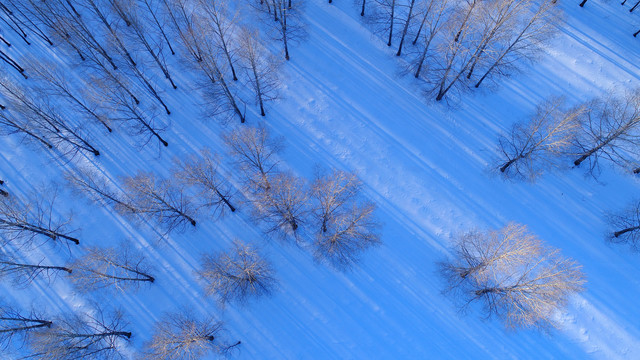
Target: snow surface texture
(425, 164)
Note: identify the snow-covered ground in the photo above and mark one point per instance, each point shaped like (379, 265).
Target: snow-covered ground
(345, 105)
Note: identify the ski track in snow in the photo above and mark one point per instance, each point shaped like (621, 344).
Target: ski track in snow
(425, 164)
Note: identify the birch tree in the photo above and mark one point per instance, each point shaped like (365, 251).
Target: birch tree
(284, 206)
(237, 275)
(96, 335)
(345, 224)
(55, 130)
(23, 272)
(610, 129)
(201, 170)
(159, 200)
(625, 226)
(57, 84)
(138, 18)
(97, 188)
(515, 276)
(17, 325)
(197, 37)
(538, 144)
(179, 336)
(260, 67)
(435, 18)
(255, 152)
(524, 40)
(222, 27)
(34, 220)
(122, 268)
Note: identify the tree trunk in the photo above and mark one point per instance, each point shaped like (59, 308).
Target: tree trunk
(39, 230)
(406, 27)
(595, 149)
(464, 22)
(43, 267)
(364, 2)
(226, 201)
(506, 165)
(582, 3)
(393, 9)
(424, 19)
(423, 56)
(634, 6)
(624, 231)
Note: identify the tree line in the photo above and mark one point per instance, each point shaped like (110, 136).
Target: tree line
(123, 48)
(98, 333)
(602, 131)
(456, 46)
(605, 130)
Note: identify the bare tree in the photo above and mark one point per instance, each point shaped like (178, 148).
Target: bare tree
(12, 124)
(182, 336)
(407, 23)
(152, 9)
(23, 272)
(99, 9)
(346, 225)
(237, 274)
(34, 220)
(137, 73)
(7, 59)
(453, 58)
(261, 68)
(610, 129)
(16, 325)
(202, 171)
(88, 336)
(141, 121)
(198, 37)
(254, 151)
(38, 112)
(50, 17)
(523, 41)
(13, 22)
(285, 24)
(122, 268)
(97, 188)
(283, 207)
(222, 26)
(66, 22)
(138, 20)
(159, 200)
(514, 274)
(435, 17)
(536, 145)
(103, 78)
(56, 83)
(484, 37)
(625, 226)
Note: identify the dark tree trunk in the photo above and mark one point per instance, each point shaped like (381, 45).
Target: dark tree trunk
(582, 3)
(364, 2)
(624, 231)
(393, 10)
(42, 231)
(406, 27)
